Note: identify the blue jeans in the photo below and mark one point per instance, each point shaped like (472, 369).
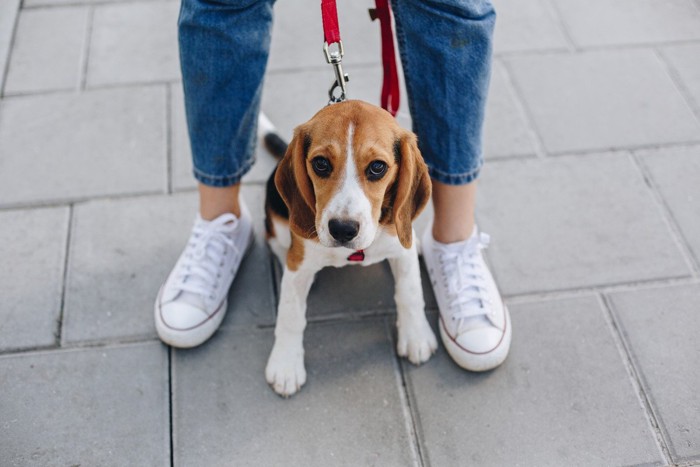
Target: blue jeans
(445, 48)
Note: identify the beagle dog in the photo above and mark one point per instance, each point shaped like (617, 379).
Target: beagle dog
(345, 193)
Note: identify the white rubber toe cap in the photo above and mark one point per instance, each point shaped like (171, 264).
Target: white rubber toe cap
(182, 316)
(480, 340)
(182, 325)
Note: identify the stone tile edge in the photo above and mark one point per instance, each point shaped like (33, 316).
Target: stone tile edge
(38, 351)
(637, 378)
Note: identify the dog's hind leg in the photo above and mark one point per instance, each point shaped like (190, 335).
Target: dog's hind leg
(415, 338)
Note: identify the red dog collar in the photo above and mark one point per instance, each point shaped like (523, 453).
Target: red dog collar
(359, 255)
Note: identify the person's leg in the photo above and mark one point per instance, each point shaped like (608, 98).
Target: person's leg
(446, 54)
(446, 49)
(453, 207)
(217, 200)
(224, 45)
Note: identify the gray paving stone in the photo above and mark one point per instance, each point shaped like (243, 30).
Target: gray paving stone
(603, 100)
(676, 172)
(104, 406)
(181, 154)
(297, 35)
(505, 131)
(683, 59)
(660, 326)
(134, 42)
(32, 245)
(68, 146)
(9, 10)
(357, 289)
(123, 250)
(601, 22)
(563, 397)
(348, 413)
(527, 26)
(574, 222)
(48, 49)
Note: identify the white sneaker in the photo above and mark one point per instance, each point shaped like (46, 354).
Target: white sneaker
(192, 302)
(474, 323)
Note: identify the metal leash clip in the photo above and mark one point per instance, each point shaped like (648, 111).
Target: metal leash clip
(335, 58)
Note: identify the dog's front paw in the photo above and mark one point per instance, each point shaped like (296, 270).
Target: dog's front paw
(417, 342)
(285, 370)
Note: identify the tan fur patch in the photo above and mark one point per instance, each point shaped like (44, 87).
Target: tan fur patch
(295, 255)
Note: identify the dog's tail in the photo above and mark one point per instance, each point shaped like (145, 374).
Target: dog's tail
(273, 142)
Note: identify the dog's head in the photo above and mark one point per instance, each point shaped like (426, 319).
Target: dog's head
(347, 171)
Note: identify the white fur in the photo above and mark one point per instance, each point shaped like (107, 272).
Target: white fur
(265, 126)
(280, 243)
(350, 202)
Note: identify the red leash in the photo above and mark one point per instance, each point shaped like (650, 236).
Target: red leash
(329, 15)
(390, 97)
(390, 87)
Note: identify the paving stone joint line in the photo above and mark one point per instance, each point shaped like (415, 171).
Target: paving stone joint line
(635, 377)
(5, 71)
(667, 215)
(410, 419)
(678, 82)
(64, 278)
(85, 57)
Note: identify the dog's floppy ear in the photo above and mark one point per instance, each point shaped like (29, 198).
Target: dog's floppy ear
(294, 185)
(413, 187)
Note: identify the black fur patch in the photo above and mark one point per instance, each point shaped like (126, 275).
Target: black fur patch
(397, 151)
(275, 145)
(273, 199)
(307, 145)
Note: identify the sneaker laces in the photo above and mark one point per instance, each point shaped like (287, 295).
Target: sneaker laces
(204, 256)
(464, 273)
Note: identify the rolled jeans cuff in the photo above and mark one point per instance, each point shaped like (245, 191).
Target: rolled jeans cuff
(223, 180)
(455, 179)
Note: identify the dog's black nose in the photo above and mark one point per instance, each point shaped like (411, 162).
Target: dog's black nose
(343, 231)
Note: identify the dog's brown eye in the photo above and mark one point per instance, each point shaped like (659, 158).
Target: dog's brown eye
(376, 170)
(321, 166)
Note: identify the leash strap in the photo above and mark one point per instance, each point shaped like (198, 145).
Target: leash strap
(391, 95)
(390, 88)
(329, 14)
(333, 50)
